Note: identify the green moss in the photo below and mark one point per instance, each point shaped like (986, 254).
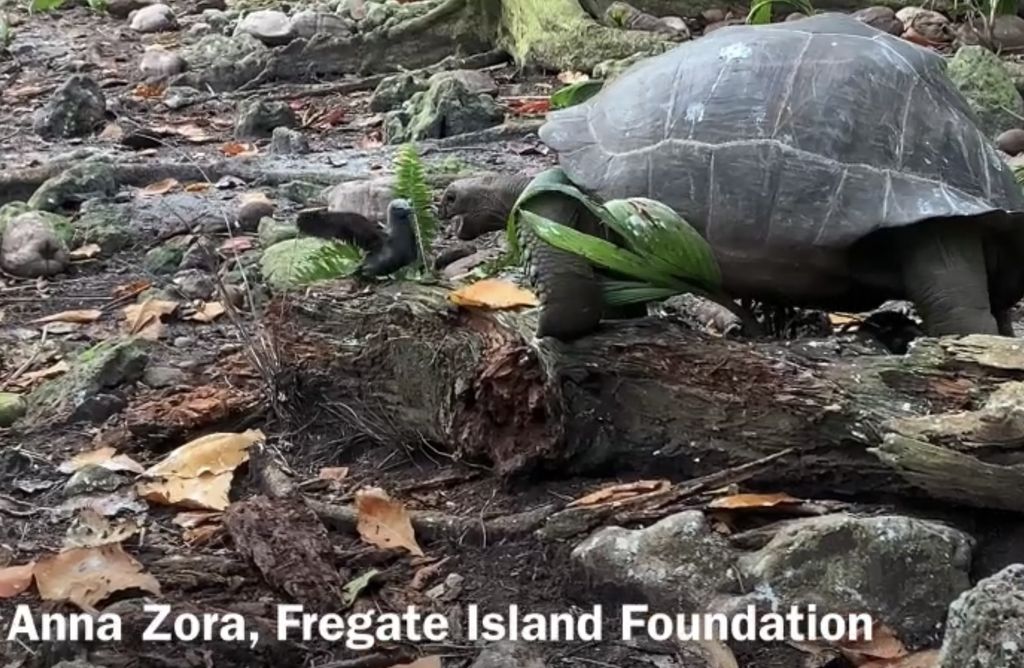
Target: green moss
(12, 407)
(163, 259)
(9, 212)
(988, 87)
(105, 224)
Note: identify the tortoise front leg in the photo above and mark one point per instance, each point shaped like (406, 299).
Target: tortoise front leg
(1004, 322)
(944, 274)
(571, 299)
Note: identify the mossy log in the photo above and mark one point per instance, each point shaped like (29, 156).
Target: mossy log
(401, 364)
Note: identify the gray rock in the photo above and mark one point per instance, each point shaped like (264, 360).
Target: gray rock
(302, 192)
(880, 17)
(163, 259)
(121, 9)
(474, 81)
(106, 224)
(195, 284)
(218, 20)
(75, 185)
(12, 407)
(252, 210)
(199, 29)
(286, 141)
(98, 408)
(445, 109)
(369, 198)
(153, 18)
(309, 23)
(164, 376)
(903, 571)
(259, 118)
(159, 63)
(76, 109)
(177, 97)
(1011, 142)
(220, 63)
(33, 246)
(269, 26)
(985, 626)
(273, 231)
(392, 92)
(988, 87)
(508, 654)
(678, 564)
(201, 254)
(93, 479)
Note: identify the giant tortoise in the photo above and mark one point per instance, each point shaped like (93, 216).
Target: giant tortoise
(828, 164)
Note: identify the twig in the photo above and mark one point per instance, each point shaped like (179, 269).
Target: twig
(27, 363)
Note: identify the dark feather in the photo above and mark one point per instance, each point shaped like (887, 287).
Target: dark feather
(342, 225)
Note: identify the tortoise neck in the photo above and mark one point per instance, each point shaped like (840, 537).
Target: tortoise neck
(511, 188)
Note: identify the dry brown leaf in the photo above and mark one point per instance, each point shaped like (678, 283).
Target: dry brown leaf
(206, 492)
(843, 319)
(207, 312)
(161, 187)
(81, 316)
(106, 457)
(202, 535)
(112, 132)
(86, 576)
(492, 293)
(130, 290)
(86, 252)
(384, 522)
(425, 662)
(745, 501)
(236, 245)
(625, 492)
(238, 149)
(884, 645)
(196, 187)
(335, 473)
(149, 91)
(15, 579)
(51, 371)
(188, 131)
(927, 659)
(213, 453)
(144, 319)
(190, 520)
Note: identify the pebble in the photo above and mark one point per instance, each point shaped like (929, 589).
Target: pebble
(159, 63)
(269, 26)
(1011, 142)
(153, 18)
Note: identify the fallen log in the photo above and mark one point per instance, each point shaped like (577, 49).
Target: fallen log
(400, 363)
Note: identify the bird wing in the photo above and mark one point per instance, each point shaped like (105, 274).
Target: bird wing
(346, 226)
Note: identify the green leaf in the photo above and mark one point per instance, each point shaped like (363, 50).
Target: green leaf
(334, 260)
(761, 13)
(411, 184)
(658, 234)
(598, 251)
(353, 588)
(44, 5)
(576, 93)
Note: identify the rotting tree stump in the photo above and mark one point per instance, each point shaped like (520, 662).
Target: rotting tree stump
(399, 362)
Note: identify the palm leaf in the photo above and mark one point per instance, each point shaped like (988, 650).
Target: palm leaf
(575, 93)
(332, 261)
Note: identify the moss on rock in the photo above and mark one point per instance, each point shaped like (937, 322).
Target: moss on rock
(988, 87)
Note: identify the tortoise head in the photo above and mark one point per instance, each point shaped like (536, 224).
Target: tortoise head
(480, 204)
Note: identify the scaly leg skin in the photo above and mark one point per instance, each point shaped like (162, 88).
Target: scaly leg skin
(571, 299)
(944, 274)
(1004, 322)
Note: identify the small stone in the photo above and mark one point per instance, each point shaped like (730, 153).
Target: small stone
(286, 141)
(393, 91)
(253, 208)
(121, 9)
(880, 18)
(927, 24)
(369, 198)
(217, 19)
(164, 376)
(1011, 142)
(199, 29)
(308, 23)
(200, 254)
(154, 18)
(162, 259)
(713, 15)
(158, 63)
(269, 26)
(76, 109)
(32, 247)
(195, 284)
(93, 479)
(176, 97)
(272, 231)
(12, 407)
(258, 119)
(98, 408)
(474, 81)
(183, 342)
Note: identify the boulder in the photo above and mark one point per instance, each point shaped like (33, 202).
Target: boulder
(985, 626)
(76, 109)
(153, 18)
(33, 246)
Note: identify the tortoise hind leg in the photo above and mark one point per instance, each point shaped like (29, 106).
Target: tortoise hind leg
(944, 274)
(1004, 322)
(571, 299)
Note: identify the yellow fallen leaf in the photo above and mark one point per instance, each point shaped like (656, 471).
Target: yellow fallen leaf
(492, 293)
(384, 522)
(87, 576)
(85, 252)
(743, 501)
(144, 319)
(207, 312)
(629, 491)
(161, 187)
(15, 579)
(80, 315)
(213, 453)
(106, 457)
(206, 492)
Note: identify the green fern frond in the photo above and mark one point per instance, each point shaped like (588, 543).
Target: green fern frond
(332, 261)
(411, 184)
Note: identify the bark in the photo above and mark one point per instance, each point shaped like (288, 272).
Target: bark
(400, 364)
